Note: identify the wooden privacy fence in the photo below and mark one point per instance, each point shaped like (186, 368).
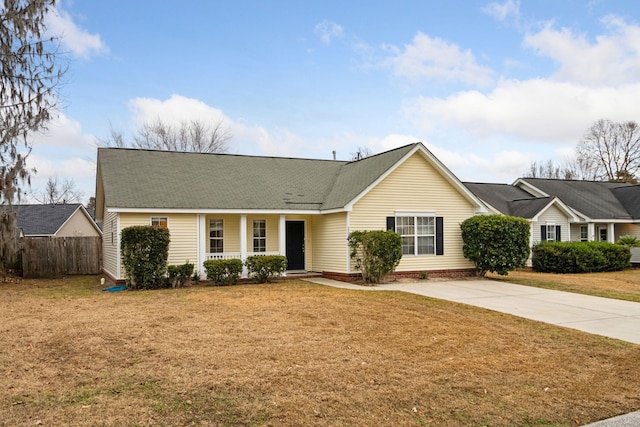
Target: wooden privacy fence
(58, 256)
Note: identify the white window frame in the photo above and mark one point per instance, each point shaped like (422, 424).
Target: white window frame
(411, 232)
(584, 233)
(260, 235)
(551, 236)
(156, 221)
(217, 238)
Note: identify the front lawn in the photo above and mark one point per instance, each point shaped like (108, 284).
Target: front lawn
(623, 285)
(294, 354)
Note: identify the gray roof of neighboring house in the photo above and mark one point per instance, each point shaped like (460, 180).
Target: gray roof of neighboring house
(43, 220)
(629, 196)
(499, 196)
(134, 178)
(508, 199)
(597, 200)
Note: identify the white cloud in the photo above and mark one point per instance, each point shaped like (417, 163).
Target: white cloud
(327, 31)
(63, 150)
(428, 58)
(611, 59)
(78, 40)
(533, 110)
(175, 110)
(502, 11)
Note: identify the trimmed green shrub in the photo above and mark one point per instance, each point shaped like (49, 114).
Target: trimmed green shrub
(179, 274)
(495, 243)
(628, 240)
(580, 257)
(264, 267)
(144, 256)
(223, 271)
(375, 253)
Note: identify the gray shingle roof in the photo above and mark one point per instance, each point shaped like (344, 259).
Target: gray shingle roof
(135, 178)
(508, 199)
(43, 220)
(597, 200)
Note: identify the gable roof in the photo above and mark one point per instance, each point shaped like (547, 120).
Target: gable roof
(511, 200)
(147, 179)
(594, 199)
(46, 220)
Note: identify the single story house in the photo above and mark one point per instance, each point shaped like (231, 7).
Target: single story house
(55, 220)
(219, 206)
(566, 210)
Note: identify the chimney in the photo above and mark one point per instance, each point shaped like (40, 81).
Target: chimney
(334, 154)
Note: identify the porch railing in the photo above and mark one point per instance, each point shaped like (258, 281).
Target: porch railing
(237, 255)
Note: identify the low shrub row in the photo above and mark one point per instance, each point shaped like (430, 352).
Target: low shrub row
(579, 257)
(261, 268)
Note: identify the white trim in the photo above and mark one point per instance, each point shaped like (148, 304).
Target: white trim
(563, 207)
(438, 165)
(201, 243)
(282, 234)
(226, 211)
(346, 239)
(118, 254)
(243, 243)
(530, 188)
(415, 213)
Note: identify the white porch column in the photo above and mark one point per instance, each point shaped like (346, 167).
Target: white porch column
(591, 232)
(611, 232)
(282, 235)
(202, 239)
(243, 243)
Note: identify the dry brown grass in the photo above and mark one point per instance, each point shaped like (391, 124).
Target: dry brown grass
(294, 354)
(623, 285)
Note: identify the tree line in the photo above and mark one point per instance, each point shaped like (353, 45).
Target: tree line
(609, 151)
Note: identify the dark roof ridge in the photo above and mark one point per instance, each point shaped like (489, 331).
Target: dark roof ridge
(255, 156)
(384, 152)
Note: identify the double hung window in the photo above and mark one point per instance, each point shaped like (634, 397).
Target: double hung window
(216, 236)
(259, 235)
(418, 234)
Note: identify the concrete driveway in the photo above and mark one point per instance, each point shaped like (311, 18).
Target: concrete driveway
(601, 316)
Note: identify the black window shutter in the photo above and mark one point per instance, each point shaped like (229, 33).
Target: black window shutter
(543, 233)
(558, 235)
(439, 236)
(391, 223)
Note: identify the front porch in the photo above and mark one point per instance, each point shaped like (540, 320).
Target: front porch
(228, 236)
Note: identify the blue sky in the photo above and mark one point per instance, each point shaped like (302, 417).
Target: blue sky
(487, 86)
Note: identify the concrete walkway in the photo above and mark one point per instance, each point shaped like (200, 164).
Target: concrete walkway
(601, 316)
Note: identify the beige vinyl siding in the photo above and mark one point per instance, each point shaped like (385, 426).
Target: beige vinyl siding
(627, 230)
(272, 223)
(330, 249)
(416, 186)
(555, 216)
(110, 243)
(183, 231)
(78, 226)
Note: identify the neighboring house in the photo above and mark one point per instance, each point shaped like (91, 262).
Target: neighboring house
(567, 210)
(220, 206)
(55, 220)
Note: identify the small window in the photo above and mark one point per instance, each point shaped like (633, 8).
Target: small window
(216, 236)
(551, 232)
(259, 235)
(584, 233)
(603, 234)
(159, 221)
(418, 234)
